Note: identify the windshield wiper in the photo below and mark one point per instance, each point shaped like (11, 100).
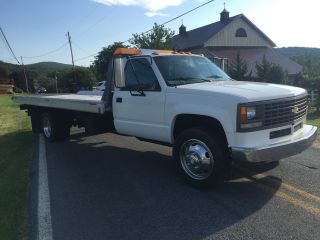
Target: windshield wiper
(214, 76)
(189, 78)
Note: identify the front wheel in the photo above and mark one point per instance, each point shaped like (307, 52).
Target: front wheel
(201, 157)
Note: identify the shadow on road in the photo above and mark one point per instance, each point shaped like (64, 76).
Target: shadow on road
(100, 190)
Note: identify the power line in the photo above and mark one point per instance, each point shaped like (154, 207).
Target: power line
(63, 45)
(80, 59)
(8, 59)
(175, 18)
(77, 45)
(50, 52)
(78, 21)
(181, 15)
(6, 46)
(4, 36)
(22, 65)
(94, 24)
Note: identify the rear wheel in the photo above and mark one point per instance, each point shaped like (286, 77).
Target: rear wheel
(54, 128)
(201, 157)
(36, 121)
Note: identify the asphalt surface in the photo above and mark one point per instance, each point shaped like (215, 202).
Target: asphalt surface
(115, 187)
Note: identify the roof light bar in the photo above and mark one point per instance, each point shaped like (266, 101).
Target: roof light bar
(127, 51)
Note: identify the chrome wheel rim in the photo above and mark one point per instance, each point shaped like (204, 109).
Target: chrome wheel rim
(196, 159)
(46, 127)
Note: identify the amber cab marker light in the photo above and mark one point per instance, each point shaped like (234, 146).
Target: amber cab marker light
(243, 114)
(164, 52)
(127, 51)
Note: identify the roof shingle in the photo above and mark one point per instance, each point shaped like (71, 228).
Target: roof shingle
(255, 55)
(197, 37)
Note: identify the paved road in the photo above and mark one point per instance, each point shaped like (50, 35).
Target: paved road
(115, 187)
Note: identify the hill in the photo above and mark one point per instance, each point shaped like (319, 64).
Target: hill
(299, 51)
(38, 74)
(42, 68)
(45, 67)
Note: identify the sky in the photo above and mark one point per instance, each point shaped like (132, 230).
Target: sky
(36, 29)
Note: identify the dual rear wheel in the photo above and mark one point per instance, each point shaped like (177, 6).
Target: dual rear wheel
(55, 127)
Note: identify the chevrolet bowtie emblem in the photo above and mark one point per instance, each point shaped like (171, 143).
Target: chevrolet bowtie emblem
(295, 109)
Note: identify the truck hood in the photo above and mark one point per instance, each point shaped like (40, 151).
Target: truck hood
(247, 91)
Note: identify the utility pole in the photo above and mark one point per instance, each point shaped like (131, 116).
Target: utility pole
(56, 82)
(74, 71)
(25, 75)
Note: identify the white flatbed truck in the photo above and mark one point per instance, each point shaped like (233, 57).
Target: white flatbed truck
(184, 101)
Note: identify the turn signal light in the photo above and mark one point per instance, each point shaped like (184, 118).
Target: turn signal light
(243, 114)
(169, 52)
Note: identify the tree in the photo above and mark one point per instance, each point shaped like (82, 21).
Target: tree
(276, 74)
(269, 72)
(19, 79)
(310, 71)
(49, 83)
(158, 38)
(4, 72)
(263, 69)
(100, 64)
(84, 80)
(238, 68)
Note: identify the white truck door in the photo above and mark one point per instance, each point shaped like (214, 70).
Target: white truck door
(138, 108)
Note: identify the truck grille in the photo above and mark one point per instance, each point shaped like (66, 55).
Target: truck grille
(285, 111)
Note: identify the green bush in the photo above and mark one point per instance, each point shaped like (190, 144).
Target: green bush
(17, 90)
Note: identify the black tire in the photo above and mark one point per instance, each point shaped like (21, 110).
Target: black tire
(36, 122)
(90, 125)
(96, 124)
(54, 127)
(202, 158)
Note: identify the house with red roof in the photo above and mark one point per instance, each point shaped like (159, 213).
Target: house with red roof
(6, 85)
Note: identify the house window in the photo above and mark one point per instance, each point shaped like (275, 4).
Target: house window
(241, 32)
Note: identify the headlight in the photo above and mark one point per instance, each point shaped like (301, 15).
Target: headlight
(249, 117)
(251, 113)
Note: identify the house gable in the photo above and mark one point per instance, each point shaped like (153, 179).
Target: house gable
(239, 33)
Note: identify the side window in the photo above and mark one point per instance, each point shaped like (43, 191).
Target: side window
(140, 76)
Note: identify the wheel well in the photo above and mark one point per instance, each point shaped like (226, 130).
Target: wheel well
(186, 121)
(37, 112)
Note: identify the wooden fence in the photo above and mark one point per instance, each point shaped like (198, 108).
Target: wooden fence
(313, 94)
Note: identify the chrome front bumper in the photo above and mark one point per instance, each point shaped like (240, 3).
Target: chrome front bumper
(275, 152)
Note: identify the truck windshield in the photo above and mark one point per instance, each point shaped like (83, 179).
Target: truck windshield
(187, 69)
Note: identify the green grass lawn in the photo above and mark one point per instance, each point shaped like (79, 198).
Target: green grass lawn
(313, 117)
(16, 147)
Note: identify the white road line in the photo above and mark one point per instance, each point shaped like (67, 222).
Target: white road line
(44, 213)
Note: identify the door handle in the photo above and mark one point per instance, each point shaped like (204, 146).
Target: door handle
(119, 99)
